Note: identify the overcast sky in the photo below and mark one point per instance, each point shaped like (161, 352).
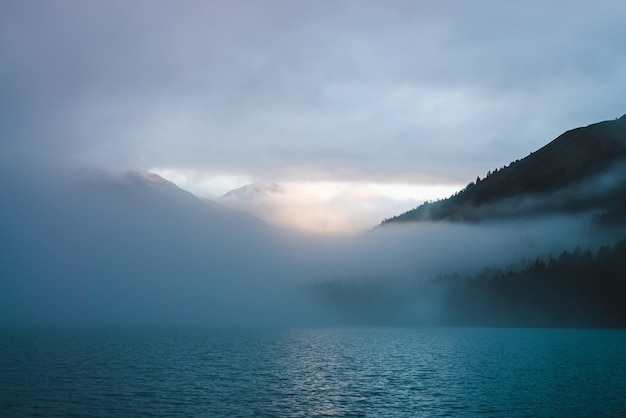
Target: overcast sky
(348, 92)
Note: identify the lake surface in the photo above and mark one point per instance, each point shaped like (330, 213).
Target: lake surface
(353, 372)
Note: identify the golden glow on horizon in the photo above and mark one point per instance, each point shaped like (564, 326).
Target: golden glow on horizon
(324, 207)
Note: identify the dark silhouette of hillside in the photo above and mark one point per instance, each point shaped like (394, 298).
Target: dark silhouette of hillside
(552, 178)
(574, 289)
(581, 171)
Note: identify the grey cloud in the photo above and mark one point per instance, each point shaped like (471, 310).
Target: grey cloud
(354, 89)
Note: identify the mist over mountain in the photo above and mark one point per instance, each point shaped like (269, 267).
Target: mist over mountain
(537, 243)
(303, 208)
(254, 190)
(583, 169)
(85, 246)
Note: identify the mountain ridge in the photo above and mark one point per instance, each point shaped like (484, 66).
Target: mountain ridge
(253, 190)
(566, 162)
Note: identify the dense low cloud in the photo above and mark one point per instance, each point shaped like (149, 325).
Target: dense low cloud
(348, 91)
(91, 248)
(400, 91)
(334, 208)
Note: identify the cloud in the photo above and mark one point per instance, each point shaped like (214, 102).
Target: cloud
(344, 91)
(330, 207)
(87, 247)
(349, 92)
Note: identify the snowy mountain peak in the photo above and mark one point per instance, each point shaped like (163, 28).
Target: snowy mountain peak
(254, 190)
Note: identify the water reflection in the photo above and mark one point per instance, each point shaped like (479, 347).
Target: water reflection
(333, 372)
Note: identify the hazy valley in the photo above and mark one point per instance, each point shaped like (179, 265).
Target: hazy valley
(532, 244)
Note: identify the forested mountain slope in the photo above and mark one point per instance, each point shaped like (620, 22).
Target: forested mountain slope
(581, 169)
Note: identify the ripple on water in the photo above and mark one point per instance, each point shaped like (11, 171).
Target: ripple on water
(323, 372)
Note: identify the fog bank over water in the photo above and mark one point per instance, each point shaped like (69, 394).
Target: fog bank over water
(88, 247)
(420, 251)
(351, 97)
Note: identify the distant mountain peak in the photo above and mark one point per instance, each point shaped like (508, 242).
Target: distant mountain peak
(147, 178)
(253, 190)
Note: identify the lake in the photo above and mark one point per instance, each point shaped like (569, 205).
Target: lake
(353, 372)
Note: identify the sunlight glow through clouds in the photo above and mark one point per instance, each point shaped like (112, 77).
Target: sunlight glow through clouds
(312, 206)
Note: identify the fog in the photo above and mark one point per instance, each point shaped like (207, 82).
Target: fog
(347, 93)
(82, 247)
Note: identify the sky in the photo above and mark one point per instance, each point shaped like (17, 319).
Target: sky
(359, 109)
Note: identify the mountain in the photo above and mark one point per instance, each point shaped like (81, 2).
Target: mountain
(524, 270)
(582, 169)
(265, 200)
(84, 246)
(253, 191)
